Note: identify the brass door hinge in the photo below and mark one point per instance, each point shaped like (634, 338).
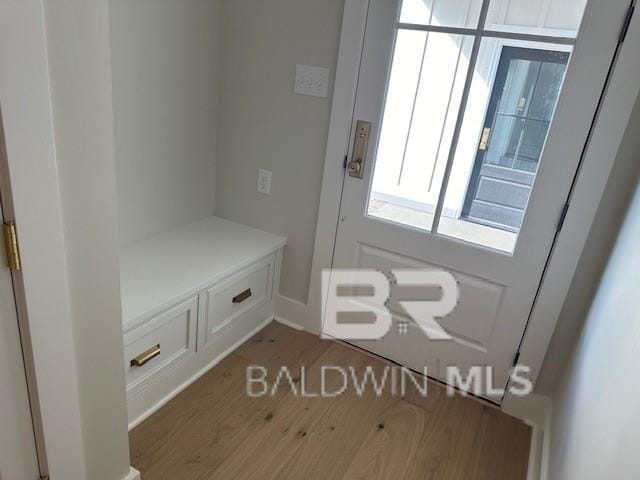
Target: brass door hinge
(11, 246)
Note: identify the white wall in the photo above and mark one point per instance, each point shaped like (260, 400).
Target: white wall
(165, 81)
(263, 124)
(595, 428)
(80, 79)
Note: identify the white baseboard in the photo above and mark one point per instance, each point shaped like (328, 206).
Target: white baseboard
(288, 323)
(534, 410)
(535, 453)
(132, 475)
(141, 418)
(546, 444)
(540, 447)
(293, 312)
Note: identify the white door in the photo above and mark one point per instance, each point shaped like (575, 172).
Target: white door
(479, 111)
(17, 444)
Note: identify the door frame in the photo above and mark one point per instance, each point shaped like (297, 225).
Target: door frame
(30, 168)
(619, 88)
(7, 215)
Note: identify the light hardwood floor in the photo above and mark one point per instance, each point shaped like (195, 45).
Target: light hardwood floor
(214, 430)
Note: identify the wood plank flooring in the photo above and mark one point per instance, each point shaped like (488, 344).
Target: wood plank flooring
(214, 430)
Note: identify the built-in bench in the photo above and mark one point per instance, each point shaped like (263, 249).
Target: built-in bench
(190, 296)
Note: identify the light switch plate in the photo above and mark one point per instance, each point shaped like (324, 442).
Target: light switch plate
(312, 81)
(264, 181)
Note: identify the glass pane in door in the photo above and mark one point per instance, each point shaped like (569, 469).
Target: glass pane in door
(424, 93)
(514, 87)
(507, 117)
(444, 13)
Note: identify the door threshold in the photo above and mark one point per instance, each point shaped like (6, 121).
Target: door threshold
(460, 392)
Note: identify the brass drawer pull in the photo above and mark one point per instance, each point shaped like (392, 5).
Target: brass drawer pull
(241, 297)
(144, 357)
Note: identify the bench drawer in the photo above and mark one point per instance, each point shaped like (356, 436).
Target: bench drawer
(159, 344)
(231, 298)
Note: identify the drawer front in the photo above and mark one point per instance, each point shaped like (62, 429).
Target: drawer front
(159, 344)
(231, 298)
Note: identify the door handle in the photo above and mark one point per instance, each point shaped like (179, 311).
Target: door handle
(360, 145)
(355, 167)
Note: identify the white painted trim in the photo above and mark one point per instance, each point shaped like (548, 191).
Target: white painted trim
(288, 323)
(132, 475)
(142, 417)
(293, 312)
(535, 411)
(600, 155)
(535, 453)
(546, 444)
(597, 164)
(344, 94)
(539, 449)
(28, 122)
(532, 409)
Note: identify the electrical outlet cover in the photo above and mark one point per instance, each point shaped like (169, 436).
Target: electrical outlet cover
(312, 81)
(264, 181)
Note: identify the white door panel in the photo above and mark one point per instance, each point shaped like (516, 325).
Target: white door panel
(427, 131)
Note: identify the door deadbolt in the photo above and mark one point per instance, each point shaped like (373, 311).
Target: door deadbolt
(360, 144)
(355, 166)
